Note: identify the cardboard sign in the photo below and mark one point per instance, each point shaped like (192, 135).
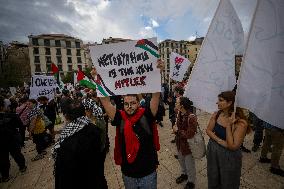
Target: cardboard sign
(127, 67)
(42, 85)
(178, 66)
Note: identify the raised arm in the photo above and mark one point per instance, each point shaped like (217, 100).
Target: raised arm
(154, 103)
(109, 108)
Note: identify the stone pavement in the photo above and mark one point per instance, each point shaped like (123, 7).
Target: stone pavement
(254, 175)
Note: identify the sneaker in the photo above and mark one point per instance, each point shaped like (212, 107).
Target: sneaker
(255, 148)
(277, 171)
(264, 160)
(22, 170)
(181, 178)
(38, 157)
(189, 185)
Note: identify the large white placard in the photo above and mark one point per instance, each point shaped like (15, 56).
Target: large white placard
(42, 85)
(261, 83)
(213, 71)
(178, 66)
(127, 67)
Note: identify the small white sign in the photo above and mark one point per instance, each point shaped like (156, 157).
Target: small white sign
(42, 85)
(178, 66)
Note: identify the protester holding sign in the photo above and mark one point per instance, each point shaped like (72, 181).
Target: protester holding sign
(136, 141)
(227, 132)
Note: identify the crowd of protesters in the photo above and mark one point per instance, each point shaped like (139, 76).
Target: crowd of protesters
(79, 152)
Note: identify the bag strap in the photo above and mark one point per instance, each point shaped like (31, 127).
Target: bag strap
(23, 110)
(197, 127)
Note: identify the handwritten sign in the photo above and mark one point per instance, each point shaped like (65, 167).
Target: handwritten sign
(127, 67)
(178, 66)
(42, 86)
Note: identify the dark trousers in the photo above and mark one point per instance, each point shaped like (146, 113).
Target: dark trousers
(39, 141)
(22, 132)
(5, 162)
(258, 130)
(273, 137)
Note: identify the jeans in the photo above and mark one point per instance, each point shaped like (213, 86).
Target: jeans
(147, 182)
(187, 164)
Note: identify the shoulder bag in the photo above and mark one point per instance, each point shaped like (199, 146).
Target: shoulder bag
(197, 143)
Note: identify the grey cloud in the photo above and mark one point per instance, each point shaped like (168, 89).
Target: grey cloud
(20, 18)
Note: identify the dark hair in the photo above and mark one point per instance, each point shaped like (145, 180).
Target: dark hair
(186, 103)
(179, 90)
(2, 104)
(32, 101)
(229, 96)
(42, 98)
(74, 110)
(133, 95)
(23, 100)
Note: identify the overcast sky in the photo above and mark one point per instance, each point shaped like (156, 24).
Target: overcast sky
(93, 20)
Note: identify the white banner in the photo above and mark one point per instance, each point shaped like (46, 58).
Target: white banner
(178, 66)
(214, 70)
(42, 85)
(261, 83)
(127, 67)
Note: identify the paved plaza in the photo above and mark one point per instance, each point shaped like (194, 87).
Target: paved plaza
(254, 175)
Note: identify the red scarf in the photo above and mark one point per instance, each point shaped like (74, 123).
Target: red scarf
(131, 141)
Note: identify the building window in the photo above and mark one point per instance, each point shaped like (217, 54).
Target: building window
(36, 50)
(80, 67)
(59, 67)
(37, 59)
(69, 68)
(57, 43)
(46, 42)
(196, 49)
(59, 60)
(48, 59)
(78, 52)
(168, 55)
(35, 41)
(167, 44)
(47, 51)
(37, 68)
(68, 44)
(58, 51)
(68, 51)
(69, 60)
(77, 44)
(79, 60)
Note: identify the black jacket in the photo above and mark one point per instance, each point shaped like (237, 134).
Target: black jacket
(9, 131)
(79, 161)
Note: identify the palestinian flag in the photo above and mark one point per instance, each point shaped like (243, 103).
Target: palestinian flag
(83, 80)
(148, 46)
(55, 72)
